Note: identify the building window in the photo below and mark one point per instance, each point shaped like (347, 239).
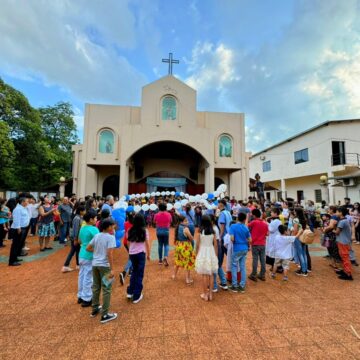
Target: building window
(266, 166)
(106, 142)
(301, 156)
(169, 108)
(225, 146)
(318, 196)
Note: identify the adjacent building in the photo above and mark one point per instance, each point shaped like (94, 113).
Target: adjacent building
(322, 163)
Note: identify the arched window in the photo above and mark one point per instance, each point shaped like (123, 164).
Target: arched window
(106, 142)
(225, 146)
(168, 108)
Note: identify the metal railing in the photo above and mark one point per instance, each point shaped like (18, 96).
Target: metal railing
(345, 159)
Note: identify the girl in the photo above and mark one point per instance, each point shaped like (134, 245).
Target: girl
(206, 262)
(184, 253)
(163, 221)
(4, 219)
(138, 237)
(46, 224)
(127, 226)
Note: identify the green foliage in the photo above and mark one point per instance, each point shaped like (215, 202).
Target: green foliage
(35, 147)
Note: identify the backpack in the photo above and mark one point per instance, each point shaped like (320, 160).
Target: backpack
(307, 237)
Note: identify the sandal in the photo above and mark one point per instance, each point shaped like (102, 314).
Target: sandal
(165, 262)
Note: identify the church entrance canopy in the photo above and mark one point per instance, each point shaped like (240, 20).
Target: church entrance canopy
(154, 183)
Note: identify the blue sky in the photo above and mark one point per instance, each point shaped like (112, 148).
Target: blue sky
(288, 64)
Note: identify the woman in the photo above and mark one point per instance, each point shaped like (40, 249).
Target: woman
(56, 218)
(355, 213)
(46, 223)
(163, 221)
(184, 253)
(91, 204)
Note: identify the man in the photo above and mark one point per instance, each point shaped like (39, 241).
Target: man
(65, 211)
(33, 209)
(19, 228)
(241, 239)
(224, 222)
(348, 204)
(343, 239)
(109, 202)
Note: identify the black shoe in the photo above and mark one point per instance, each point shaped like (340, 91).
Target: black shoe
(340, 272)
(252, 277)
(18, 260)
(108, 317)
(262, 278)
(241, 289)
(345, 277)
(122, 276)
(86, 303)
(354, 262)
(223, 286)
(234, 289)
(15, 264)
(95, 311)
(80, 301)
(24, 254)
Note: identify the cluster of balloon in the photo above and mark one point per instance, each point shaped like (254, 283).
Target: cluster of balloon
(119, 216)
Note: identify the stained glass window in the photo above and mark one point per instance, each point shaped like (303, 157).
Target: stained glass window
(106, 142)
(169, 108)
(225, 146)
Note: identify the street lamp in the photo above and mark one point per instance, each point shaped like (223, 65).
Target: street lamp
(62, 187)
(325, 187)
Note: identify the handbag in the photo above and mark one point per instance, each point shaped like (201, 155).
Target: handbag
(307, 237)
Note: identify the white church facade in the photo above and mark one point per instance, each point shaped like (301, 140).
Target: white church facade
(164, 144)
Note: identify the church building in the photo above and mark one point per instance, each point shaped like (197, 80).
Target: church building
(164, 144)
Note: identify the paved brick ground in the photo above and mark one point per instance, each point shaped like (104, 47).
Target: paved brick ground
(306, 318)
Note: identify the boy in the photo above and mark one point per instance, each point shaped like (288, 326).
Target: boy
(102, 246)
(87, 232)
(259, 230)
(343, 240)
(282, 251)
(241, 239)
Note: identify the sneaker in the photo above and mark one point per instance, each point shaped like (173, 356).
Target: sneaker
(25, 248)
(262, 278)
(160, 262)
(252, 277)
(139, 299)
(285, 278)
(95, 311)
(108, 317)
(309, 270)
(241, 289)
(233, 288)
(86, 303)
(66, 269)
(298, 272)
(122, 277)
(340, 272)
(305, 274)
(215, 290)
(129, 296)
(223, 286)
(345, 277)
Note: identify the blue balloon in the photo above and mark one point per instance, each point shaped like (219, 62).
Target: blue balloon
(119, 217)
(177, 193)
(216, 202)
(130, 208)
(127, 197)
(210, 196)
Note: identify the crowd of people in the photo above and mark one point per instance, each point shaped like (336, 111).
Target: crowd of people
(277, 234)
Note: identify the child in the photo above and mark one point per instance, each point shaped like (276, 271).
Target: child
(206, 262)
(87, 232)
(128, 266)
(139, 250)
(74, 237)
(283, 251)
(102, 245)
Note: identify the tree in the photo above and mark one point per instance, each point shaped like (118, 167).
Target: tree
(7, 155)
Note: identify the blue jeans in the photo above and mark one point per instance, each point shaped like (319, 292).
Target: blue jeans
(85, 280)
(64, 231)
(300, 249)
(163, 240)
(33, 222)
(221, 273)
(238, 258)
(136, 285)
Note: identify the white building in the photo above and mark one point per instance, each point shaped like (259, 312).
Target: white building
(294, 166)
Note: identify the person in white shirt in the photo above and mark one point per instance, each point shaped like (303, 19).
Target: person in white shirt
(33, 209)
(19, 227)
(273, 232)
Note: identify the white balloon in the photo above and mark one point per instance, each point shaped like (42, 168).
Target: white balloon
(177, 205)
(222, 188)
(123, 205)
(169, 207)
(186, 196)
(216, 193)
(123, 198)
(209, 206)
(204, 196)
(163, 193)
(172, 193)
(222, 195)
(132, 196)
(153, 194)
(145, 207)
(184, 202)
(142, 195)
(137, 208)
(192, 198)
(157, 193)
(147, 195)
(181, 193)
(153, 207)
(198, 198)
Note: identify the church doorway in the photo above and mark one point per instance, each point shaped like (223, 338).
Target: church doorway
(111, 186)
(218, 182)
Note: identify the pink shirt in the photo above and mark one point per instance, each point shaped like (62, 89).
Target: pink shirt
(162, 219)
(138, 247)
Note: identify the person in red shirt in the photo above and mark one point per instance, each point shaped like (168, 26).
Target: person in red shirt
(259, 230)
(128, 266)
(163, 221)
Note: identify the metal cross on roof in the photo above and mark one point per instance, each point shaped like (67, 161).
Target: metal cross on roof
(170, 61)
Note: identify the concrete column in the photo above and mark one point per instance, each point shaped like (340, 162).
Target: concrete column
(331, 189)
(82, 177)
(62, 189)
(283, 189)
(75, 170)
(236, 185)
(124, 179)
(209, 178)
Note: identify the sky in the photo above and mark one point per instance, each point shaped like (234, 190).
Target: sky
(287, 64)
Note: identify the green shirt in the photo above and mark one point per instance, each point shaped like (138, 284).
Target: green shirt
(87, 232)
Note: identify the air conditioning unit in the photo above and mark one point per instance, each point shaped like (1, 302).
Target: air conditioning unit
(349, 182)
(262, 157)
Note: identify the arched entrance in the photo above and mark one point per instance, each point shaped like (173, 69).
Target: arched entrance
(111, 185)
(218, 182)
(167, 165)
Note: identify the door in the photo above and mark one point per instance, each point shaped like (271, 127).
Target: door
(338, 153)
(300, 196)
